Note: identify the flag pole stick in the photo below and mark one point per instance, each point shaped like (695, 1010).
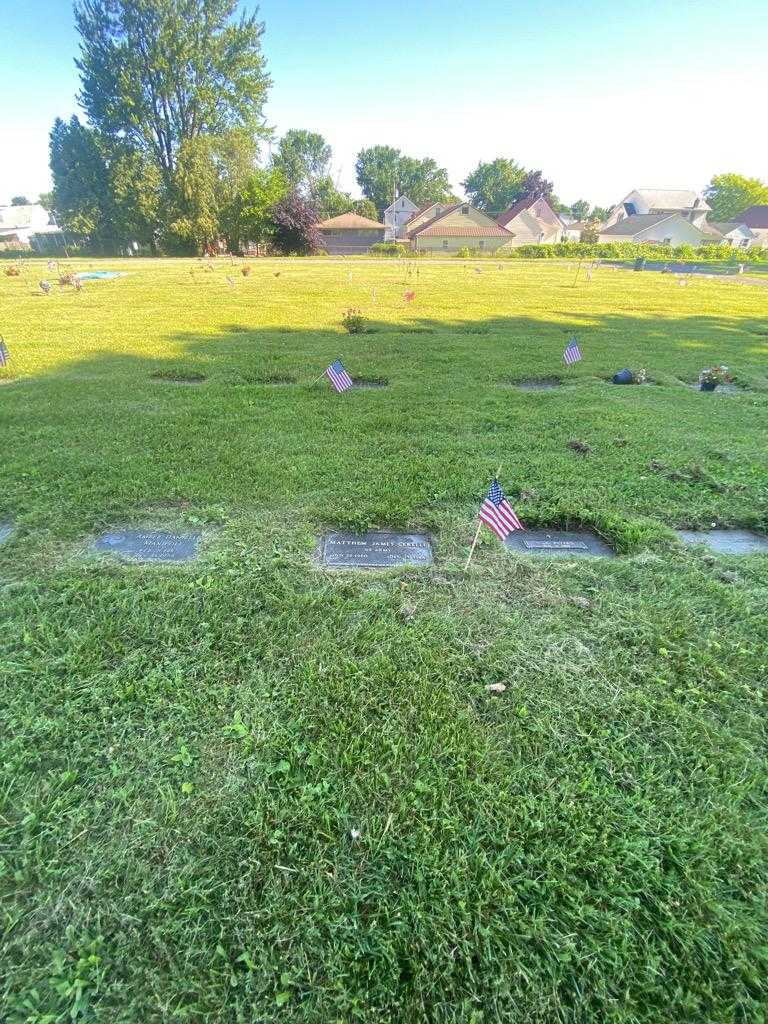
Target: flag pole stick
(317, 379)
(472, 549)
(477, 531)
(578, 271)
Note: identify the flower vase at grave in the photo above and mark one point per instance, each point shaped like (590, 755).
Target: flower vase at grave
(623, 377)
(708, 385)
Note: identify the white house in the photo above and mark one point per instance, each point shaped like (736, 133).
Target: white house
(732, 233)
(572, 231)
(663, 228)
(396, 215)
(19, 223)
(646, 201)
(532, 222)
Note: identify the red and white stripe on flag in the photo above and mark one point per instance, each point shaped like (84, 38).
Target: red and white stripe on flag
(500, 518)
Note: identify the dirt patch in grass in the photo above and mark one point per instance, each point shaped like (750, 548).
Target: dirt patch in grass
(179, 376)
(276, 379)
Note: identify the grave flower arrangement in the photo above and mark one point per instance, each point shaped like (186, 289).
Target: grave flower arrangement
(712, 376)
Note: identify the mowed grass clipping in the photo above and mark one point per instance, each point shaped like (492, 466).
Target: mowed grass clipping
(249, 789)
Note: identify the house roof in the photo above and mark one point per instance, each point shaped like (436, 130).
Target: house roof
(579, 225)
(464, 231)
(755, 217)
(436, 227)
(400, 199)
(514, 210)
(724, 227)
(672, 198)
(421, 210)
(348, 222)
(636, 223)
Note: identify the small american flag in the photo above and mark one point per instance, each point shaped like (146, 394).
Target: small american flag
(572, 352)
(338, 376)
(4, 355)
(498, 514)
(45, 287)
(409, 296)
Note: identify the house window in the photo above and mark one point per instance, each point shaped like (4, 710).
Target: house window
(445, 243)
(481, 244)
(465, 210)
(667, 241)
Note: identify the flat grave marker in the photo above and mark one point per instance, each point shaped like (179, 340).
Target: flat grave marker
(150, 545)
(559, 544)
(369, 382)
(375, 550)
(5, 532)
(727, 542)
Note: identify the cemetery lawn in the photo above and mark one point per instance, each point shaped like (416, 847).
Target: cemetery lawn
(249, 789)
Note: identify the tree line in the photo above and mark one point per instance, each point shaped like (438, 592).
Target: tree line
(168, 156)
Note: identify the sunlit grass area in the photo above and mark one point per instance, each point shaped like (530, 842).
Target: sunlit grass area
(249, 788)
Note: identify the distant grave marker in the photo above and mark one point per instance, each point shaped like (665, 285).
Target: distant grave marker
(370, 382)
(375, 550)
(721, 389)
(5, 532)
(150, 545)
(559, 544)
(727, 542)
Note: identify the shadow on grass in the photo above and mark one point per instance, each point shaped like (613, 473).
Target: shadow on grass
(113, 428)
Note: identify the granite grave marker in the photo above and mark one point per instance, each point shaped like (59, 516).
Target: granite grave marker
(727, 542)
(375, 550)
(559, 544)
(150, 545)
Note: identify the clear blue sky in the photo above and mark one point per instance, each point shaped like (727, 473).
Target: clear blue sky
(602, 96)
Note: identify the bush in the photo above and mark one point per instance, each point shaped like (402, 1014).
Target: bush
(396, 249)
(465, 253)
(355, 321)
(631, 251)
(245, 271)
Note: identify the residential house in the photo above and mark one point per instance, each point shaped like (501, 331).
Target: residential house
(457, 227)
(732, 233)
(396, 216)
(646, 201)
(424, 214)
(572, 232)
(349, 234)
(532, 222)
(662, 228)
(18, 224)
(756, 219)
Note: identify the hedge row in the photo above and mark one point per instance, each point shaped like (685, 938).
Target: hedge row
(633, 250)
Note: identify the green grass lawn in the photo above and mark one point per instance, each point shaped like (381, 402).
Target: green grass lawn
(253, 790)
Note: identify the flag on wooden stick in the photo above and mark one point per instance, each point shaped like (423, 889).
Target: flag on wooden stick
(338, 376)
(498, 514)
(4, 354)
(572, 352)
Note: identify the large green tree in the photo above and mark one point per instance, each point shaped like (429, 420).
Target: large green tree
(495, 185)
(303, 158)
(82, 194)
(248, 217)
(731, 194)
(383, 172)
(161, 74)
(580, 209)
